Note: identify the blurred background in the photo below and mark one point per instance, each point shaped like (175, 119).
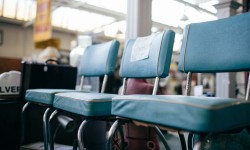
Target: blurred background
(74, 23)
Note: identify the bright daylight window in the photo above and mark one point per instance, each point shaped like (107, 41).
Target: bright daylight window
(108, 17)
(175, 14)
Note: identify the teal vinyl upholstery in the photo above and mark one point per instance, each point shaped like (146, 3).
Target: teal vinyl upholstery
(45, 96)
(209, 47)
(89, 104)
(217, 46)
(158, 62)
(99, 59)
(86, 104)
(198, 114)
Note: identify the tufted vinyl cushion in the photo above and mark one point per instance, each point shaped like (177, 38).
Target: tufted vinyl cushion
(43, 96)
(198, 114)
(86, 104)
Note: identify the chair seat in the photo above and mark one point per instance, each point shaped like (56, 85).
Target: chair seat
(86, 104)
(197, 114)
(44, 96)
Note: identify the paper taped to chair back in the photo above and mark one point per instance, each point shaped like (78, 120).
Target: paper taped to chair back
(148, 57)
(140, 49)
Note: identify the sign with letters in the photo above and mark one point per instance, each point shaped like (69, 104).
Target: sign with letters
(9, 90)
(10, 83)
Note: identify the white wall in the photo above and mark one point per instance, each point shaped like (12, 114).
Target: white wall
(18, 41)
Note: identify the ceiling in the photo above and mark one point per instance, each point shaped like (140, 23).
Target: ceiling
(67, 12)
(109, 18)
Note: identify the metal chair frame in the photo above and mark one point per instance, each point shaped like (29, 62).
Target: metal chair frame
(46, 115)
(49, 114)
(121, 121)
(82, 126)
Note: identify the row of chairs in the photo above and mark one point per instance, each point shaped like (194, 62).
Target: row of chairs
(210, 47)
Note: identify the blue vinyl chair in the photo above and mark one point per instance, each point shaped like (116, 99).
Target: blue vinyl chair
(98, 60)
(156, 65)
(210, 47)
(156, 53)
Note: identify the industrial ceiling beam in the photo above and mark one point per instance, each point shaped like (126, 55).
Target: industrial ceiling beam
(114, 14)
(31, 22)
(196, 7)
(91, 8)
(117, 15)
(164, 26)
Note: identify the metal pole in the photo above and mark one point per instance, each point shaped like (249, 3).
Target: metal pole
(156, 86)
(190, 140)
(23, 122)
(50, 134)
(104, 83)
(81, 83)
(161, 136)
(248, 88)
(45, 128)
(189, 82)
(80, 133)
(124, 86)
(182, 140)
(111, 133)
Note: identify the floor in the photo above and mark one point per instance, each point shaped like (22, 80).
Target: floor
(172, 139)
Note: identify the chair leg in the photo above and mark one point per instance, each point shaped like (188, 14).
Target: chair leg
(190, 141)
(197, 145)
(50, 133)
(120, 130)
(162, 138)
(183, 141)
(203, 137)
(23, 121)
(115, 126)
(75, 144)
(80, 133)
(45, 128)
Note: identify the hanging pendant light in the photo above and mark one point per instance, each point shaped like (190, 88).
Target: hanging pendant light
(184, 17)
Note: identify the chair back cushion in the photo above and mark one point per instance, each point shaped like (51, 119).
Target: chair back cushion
(217, 46)
(99, 59)
(148, 57)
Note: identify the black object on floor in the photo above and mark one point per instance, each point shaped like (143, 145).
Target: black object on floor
(9, 123)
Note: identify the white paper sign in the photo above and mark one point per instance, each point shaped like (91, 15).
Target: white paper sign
(140, 49)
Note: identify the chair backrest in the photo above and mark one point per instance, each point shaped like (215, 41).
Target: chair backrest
(217, 46)
(99, 59)
(148, 57)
